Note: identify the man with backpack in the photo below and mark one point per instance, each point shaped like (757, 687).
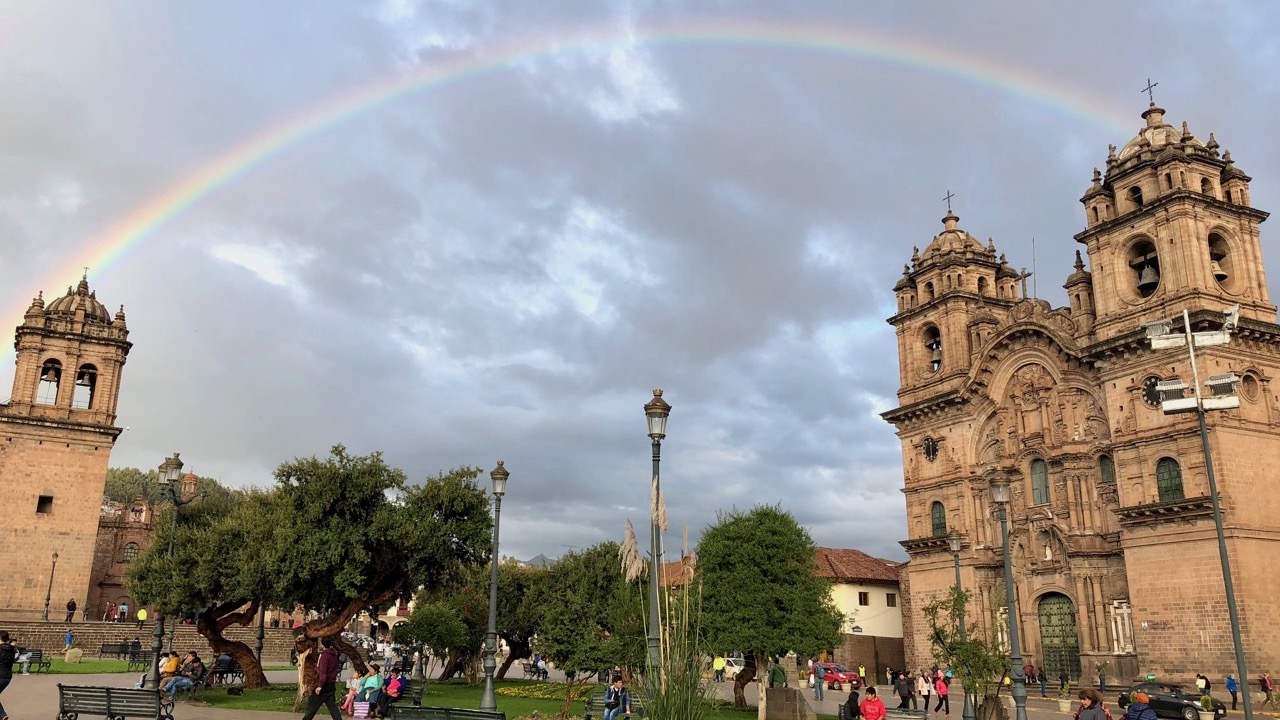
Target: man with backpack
(819, 680)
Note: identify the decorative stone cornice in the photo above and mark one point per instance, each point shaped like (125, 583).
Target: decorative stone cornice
(925, 546)
(1188, 509)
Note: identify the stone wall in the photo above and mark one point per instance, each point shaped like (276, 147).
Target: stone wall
(90, 636)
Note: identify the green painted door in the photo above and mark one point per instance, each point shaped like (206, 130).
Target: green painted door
(1059, 641)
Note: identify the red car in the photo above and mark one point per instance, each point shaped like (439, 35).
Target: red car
(838, 676)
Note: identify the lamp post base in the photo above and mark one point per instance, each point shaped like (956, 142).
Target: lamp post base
(152, 679)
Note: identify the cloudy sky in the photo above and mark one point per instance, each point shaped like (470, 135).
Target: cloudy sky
(462, 231)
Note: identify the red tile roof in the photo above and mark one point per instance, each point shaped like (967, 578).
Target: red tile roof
(849, 565)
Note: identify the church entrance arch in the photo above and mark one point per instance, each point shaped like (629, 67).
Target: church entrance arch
(1059, 641)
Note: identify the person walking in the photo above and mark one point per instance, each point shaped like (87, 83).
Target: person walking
(925, 687)
(717, 668)
(1140, 708)
(71, 609)
(8, 654)
(1232, 687)
(944, 699)
(70, 639)
(326, 682)
(903, 687)
(1264, 684)
(1064, 680)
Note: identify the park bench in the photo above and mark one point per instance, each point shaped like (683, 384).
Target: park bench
(36, 662)
(533, 672)
(225, 671)
(904, 714)
(107, 702)
(115, 650)
(407, 712)
(139, 661)
(412, 693)
(595, 705)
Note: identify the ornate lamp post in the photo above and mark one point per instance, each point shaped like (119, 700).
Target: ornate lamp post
(169, 472)
(1000, 495)
(488, 701)
(48, 595)
(656, 410)
(955, 541)
(261, 634)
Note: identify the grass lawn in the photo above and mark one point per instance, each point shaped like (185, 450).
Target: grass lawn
(453, 693)
(88, 667)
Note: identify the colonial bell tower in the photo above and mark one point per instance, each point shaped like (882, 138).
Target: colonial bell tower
(1170, 226)
(56, 436)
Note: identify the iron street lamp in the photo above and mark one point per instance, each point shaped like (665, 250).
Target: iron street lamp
(168, 474)
(1000, 495)
(1222, 396)
(656, 410)
(956, 542)
(488, 701)
(48, 595)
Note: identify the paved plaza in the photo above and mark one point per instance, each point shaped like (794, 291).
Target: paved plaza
(36, 696)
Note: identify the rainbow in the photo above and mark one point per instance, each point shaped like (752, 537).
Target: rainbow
(864, 44)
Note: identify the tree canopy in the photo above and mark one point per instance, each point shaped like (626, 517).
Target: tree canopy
(124, 485)
(335, 535)
(760, 590)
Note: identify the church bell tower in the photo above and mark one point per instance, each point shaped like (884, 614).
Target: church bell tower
(56, 435)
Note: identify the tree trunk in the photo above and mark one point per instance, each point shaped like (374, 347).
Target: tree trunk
(352, 653)
(308, 651)
(745, 675)
(516, 650)
(569, 685)
(991, 709)
(217, 618)
(448, 670)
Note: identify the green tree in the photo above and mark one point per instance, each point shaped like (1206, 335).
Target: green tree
(353, 534)
(518, 610)
(124, 485)
(580, 602)
(217, 570)
(760, 590)
(979, 661)
(453, 623)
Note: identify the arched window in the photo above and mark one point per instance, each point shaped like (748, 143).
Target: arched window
(933, 343)
(1135, 196)
(50, 380)
(1169, 480)
(982, 286)
(1106, 470)
(938, 516)
(929, 291)
(1168, 181)
(86, 385)
(130, 552)
(1039, 482)
(1206, 186)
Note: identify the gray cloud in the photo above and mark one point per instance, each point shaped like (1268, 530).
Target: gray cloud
(503, 265)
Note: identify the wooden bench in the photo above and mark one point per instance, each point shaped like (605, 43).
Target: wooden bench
(413, 690)
(139, 661)
(595, 705)
(409, 712)
(87, 702)
(532, 672)
(904, 713)
(35, 660)
(115, 650)
(225, 671)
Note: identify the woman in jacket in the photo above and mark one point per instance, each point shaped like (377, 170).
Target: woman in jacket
(925, 688)
(1090, 706)
(944, 700)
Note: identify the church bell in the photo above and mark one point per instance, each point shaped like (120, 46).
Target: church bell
(83, 379)
(1149, 278)
(1218, 273)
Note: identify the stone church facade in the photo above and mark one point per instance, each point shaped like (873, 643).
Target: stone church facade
(56, 435)
(1112, 538)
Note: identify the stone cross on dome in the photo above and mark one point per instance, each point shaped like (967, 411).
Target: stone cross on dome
(948, 199)
(1148, 90)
